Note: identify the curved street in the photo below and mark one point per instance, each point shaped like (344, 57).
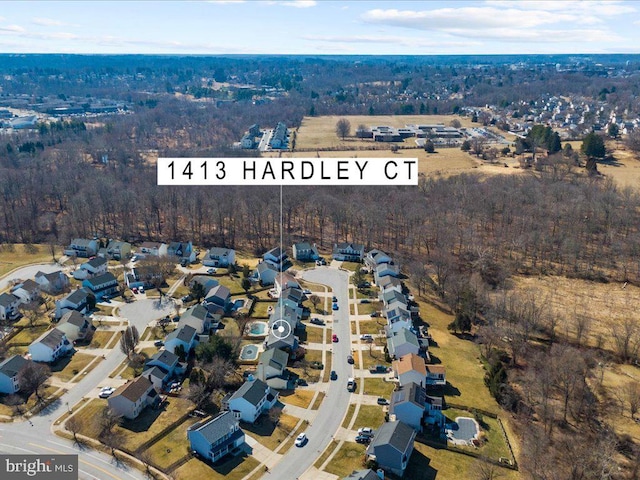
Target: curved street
(336, 401)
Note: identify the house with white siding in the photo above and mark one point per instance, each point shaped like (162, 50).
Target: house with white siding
(50, 346)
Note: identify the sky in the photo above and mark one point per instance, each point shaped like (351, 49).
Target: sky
(320, 27)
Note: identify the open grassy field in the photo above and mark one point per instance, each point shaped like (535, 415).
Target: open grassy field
(16, 255)
(171, 447)
(378, 387)
(347, 459)
(615, 379)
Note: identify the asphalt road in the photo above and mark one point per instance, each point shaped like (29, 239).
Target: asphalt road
(334, 406)
(28, 272)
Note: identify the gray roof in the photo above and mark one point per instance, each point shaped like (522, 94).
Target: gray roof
(367, 474)
(81, 242)
(349, 246)
(394, 295)
(396, 434)
(78, 296)
(276, 252)
(274, 357)
(102, 279)
(388, 280)
(409, 393)
(220, 251)
(96, 262)
(133, 390)
(216, 428)
(262, 266)
(219, 291)
(184, 334)
(51, 277)
(400, 338)
(52, 338)
(73, 317)
(29, 285)
(252, 391)
(13, 365)
(7, 299)
(155, 371)
(165, 357)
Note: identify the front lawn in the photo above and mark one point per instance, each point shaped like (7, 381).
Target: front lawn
(347, 459)
(101, 338)
(68, 367)
(371, 327)
(373, 357)
(265, 432)
(378, 387)
(369, 416)
(230, 468)
(298, 398)
(171, 447)
(315, 334)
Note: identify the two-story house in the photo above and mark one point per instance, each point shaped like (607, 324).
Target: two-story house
(284, 281)
(348, 252)
(408, 405)
(10, 370)
(305, 252)
(52, 283)
(9, 306)
(102, 286)
(403, 342)
(134, 396)
(50, 346)
(376, 257)
(154, 249)
(78, 300)
(27, 291)
(278, 258)
(187, 336)
(265, 273)
(271, 369)
(215, 438)
(220, 296)
(93, 268)
(219, 257)
(182, 251)
(251, 400)
(410, 368)
(117, 250)
(392, 446)
(76, 327)
(82, 247)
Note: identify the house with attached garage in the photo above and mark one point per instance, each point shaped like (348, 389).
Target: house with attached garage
(219, 257)
(27, 291)
(78, 300)
(183, 251)
(278, 258)
(187, 336)
(284, 281)
(167, 361)
(287, 322)
(216, 438)
(92, 268)
(52, 283)
(50, 346)
(197, 317)
(348, 252)
(82, 247)
(251, 400)
(305, 252)
(389, 283)
(10, 370)
(9, 306)
(206, 281)
(385, 270)
(220, 296)
(410, 369)
(116, 250)
(105, 285)
(154, 249)
(403, 342)
(407, 405)
(130, 399)
(392, 447)
(76, 327)
(375, 257)
(265, 273)
(393, 298)
(272, 369)
(397, 318)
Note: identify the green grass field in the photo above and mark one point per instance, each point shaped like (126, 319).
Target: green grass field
(14, 256)
(347, 459)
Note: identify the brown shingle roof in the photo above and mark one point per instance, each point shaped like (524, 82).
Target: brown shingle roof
(133, 390)
(410, 362)
(436, 369)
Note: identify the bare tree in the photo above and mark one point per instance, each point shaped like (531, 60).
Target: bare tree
(484, 470)
(315, 301)
(198, 393)
(632, 394)
(274, 415)
(343, 128)
(129, 340)
(108, 421)
(626, 338)
(33, 377)
(74, 425)
(112, 440)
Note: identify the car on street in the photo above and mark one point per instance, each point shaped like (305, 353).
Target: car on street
(334, 338)
(158, 343)
(334, 299)
(317, 321)
(367, 431)
(363, 439)
(141, 290)
(383, 401)
(350, 360)
(351, 384)
(301, 440)
(306, 291)
(334, 375)
(134, 289)
(334, 306)
(211, 271)
(106, 392)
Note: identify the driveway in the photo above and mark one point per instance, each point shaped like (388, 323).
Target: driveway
(330, 414)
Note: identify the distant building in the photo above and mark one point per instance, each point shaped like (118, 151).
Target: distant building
(348, 252)
(9, 306)
(305, 252)
(219, 257)
(82, 247)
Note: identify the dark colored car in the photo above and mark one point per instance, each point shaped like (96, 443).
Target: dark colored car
(363, 439)
(350, 360)
(334, 375)
(383, 401)
(316, 321)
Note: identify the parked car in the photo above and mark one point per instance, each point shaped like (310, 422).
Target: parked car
(106, 392)
(334, 299)
(317, 321)
(186, 298)
(366, 337)
(378, 369)
(367, 431)
(364, 285)
(383, 401)
(301, 440)
(334, 375)
(363, 439)
(301, 382)
(374, 314)
(334, 338)
(334, 306)
(306, 291)
(141, 290)
(212, 270)
(350, 360)
(134, 289)
(159, 343)
(351, 384)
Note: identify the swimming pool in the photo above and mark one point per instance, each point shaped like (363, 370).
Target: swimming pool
(463, 430)
(258, 329)
(249, 352)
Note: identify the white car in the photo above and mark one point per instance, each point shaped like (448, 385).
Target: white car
(106, 392)
(301, 439)
(212, 270)
(368, 431)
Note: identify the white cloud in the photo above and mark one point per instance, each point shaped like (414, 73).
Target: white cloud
(390, 39)
(225, 1)
(48, 22)
(295, 3)
(12, 29)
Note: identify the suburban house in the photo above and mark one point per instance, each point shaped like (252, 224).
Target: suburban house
(117, 250)
(27, 291)
(186, 336)
(143, 276)
(385, 270)
(367, 474)
(206, 281)
(436, 375)
(216, 438)
(398, 318)
(265, 273)
(403, 342)
(155, 249)
(410, 368)
(76, 326)
(251, 400)
(272, 369)
(408, 405)
(10, 370)
(389, 283)
(134, 396)
(52, 283)
(182, 250)
(433, 411)
(392, 298)
(76, 300)
(9, 306)
(284, 281)
(92, 268)
(163, 367)
(102, 286)
(50, 346)
(197, 317)
(392, 446)
(219, 257)
(348, 252)
(293, 297)
(82, 247)
(278, 258)
(305, 252)
(375, 257)
(220, 296)
(289, 319)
